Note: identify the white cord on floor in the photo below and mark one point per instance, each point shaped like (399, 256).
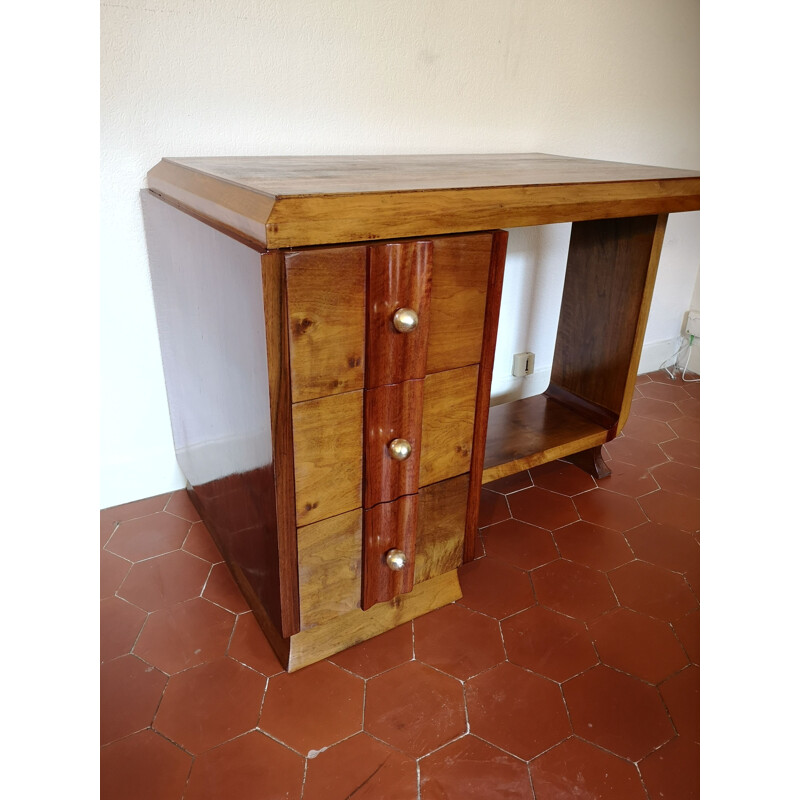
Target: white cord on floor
(685, 345)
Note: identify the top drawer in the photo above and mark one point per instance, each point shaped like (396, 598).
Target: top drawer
(327, 310)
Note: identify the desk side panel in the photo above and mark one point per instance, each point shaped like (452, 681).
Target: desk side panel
(210, 310)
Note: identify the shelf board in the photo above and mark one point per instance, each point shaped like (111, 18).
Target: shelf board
(533, 431)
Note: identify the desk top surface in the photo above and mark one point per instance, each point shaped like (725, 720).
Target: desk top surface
(290, 201)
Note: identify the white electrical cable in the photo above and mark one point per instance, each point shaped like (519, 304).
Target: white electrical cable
(675, 359)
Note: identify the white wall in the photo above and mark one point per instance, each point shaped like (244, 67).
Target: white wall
(609, 79)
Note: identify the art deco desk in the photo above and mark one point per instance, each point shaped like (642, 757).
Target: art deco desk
(328, 328)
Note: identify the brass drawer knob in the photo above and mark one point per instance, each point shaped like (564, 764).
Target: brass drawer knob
(399, 449)
(395, 560)
(405, 320)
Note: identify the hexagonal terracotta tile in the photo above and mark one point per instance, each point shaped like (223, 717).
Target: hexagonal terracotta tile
(414, 708)
(669, 392)
(143, 765)
(360, 767)
(149, 536)
(637, 644)
(673, 771)
(518, 711)
(628, 479)
(494, 587)
(573, 589)
(542, 508)
(664, 546)
(378, 654)
(493, 508)
(138, 508)
(577, 769)
(688, 630)
(181, 506)
(652, 590)
(684, 451)
(313, 708)
(592, 545)
(130, 691)
(609, 510)
(185, 635)
(113, 570)
(221, 589)
(690, 407)
(199, 543)
(648, 430)
(686, 428)
(250, 647)
(519, 543)
(163, 581)
(469, 769)
(207, 705)
(511, 483)
(120, 625)
(549, 643)
(677, 478)
(677, 510)
(562, 477)
(635, 451)
(251, 767)
(458, 641)
(681, 693)
(617, 712)
(654, 409)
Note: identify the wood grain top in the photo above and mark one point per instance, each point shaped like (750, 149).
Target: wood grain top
(289, 201)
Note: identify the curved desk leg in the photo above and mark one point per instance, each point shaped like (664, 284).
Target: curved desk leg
(590, 461)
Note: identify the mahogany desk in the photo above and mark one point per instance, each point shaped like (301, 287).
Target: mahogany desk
(328, 327)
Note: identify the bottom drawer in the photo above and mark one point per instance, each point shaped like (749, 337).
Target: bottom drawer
(329, 552)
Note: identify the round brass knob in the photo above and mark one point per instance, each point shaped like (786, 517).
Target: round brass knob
(405, 320)
(399, 449)
(395, 560)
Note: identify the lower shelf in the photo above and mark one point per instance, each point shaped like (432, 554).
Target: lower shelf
(533, 431)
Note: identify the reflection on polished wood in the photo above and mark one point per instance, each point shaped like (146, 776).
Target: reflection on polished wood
(287, 377)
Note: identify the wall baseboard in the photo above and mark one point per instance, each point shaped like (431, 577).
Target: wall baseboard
(136, 480)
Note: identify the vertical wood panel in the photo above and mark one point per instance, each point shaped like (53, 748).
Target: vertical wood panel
(494, 287)
(458, 300)
(447, 424)
(327, 456)
(398, 276)
(440, 527)
(608, 268)
(391, 412)
(326, 295)
(329, 555)
(388, 526)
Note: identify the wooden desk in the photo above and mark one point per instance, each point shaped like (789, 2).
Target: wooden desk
(328, 327)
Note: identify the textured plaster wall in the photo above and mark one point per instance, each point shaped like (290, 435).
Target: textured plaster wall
(609, 79)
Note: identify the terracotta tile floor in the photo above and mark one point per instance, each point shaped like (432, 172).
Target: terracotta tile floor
(568, 670)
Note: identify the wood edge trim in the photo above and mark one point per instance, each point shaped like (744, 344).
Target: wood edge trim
(309, 646)
(307, 220)
(239, 212)
(491, 318)
(545, 456)
(277, 345)
(641, 324)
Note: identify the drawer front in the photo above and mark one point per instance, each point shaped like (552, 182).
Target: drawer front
(327, 456)
(441, 521)
(448, 417)
(392, 441)
(398, 311)
(325, 292)
(458, 300)
(329, 567)
(388, 556)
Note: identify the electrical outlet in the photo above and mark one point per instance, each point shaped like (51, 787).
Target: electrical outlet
(523, 364)
(693, 324)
